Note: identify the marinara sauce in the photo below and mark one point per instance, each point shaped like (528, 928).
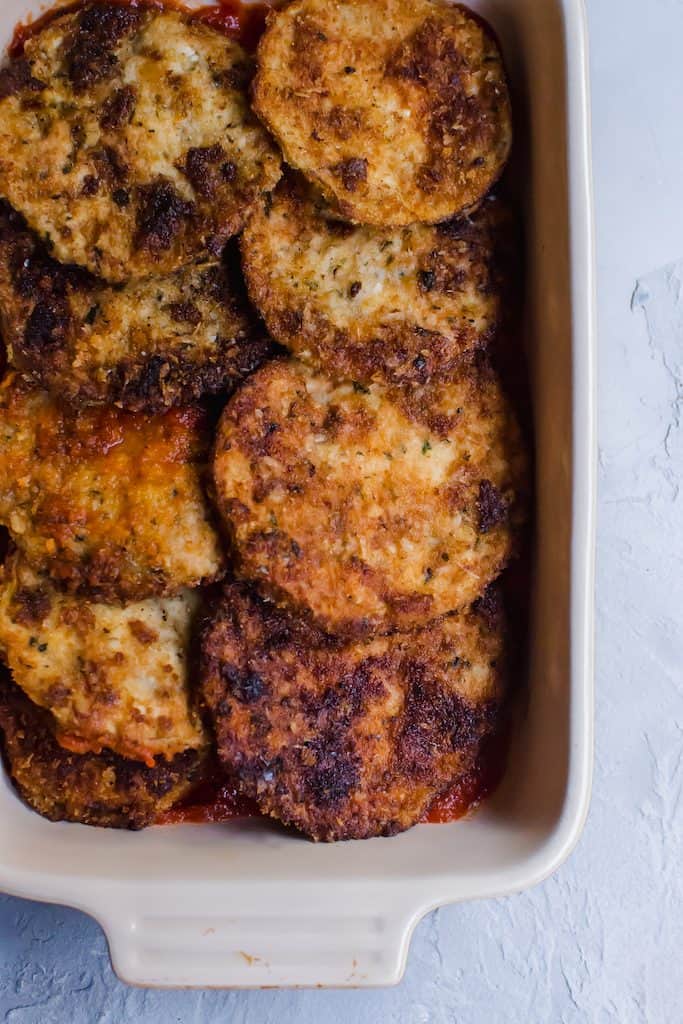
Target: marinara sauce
(216, 800)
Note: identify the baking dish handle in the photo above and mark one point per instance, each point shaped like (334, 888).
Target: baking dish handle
(280, 942)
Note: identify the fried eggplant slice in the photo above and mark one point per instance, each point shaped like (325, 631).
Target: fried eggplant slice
(114, 678)
(401, 305)
(109, 503)
(145, 346)
(93, 789)
(367, 508)
(397, 109)
(127, 139)
(347, 740)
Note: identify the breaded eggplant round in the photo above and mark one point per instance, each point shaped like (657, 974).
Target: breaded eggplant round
(108, 503)
(146, 345)
(93, 789)
(399, 305)
(366, 508)
(127, 139)
(347, 740)
(397, 109)
(114, 678)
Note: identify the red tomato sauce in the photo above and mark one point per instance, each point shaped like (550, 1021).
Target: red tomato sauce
(213, 801)
(216, 800)
(244, 22)
(474, 786)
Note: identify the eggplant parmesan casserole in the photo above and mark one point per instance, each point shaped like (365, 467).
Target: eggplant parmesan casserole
(261, 472)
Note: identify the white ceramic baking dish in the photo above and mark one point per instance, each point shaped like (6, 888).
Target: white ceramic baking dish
(246, 905)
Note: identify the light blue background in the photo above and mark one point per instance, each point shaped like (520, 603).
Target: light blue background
(601, 941)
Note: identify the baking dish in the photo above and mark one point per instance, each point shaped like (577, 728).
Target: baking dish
(246, 904)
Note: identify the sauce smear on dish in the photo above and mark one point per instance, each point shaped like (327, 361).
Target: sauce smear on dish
(216, 801)
(244, 22)
(213, 801)
(474, 787)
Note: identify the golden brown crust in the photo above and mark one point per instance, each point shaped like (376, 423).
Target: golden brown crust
(94, 789)
(146, 345)
(109, 503)
(397, 109)
(82, 116)
(114, 678)
(400, 305)
(347, 740)
(365, 507)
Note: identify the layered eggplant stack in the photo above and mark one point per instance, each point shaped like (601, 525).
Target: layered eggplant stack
(259, 472)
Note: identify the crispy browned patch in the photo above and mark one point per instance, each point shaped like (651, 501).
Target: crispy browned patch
(142, 633)
(352, 172)
(82, 114)
(108, 503)
(94, 789)
(376, 304)
(491, 505)
(118, 108)
(16, 77)
(397, 110)
(147, 345)
(91, 51)
(346, 740)
(162, 215)
(206, 167)
(31, 605)
(361, 505)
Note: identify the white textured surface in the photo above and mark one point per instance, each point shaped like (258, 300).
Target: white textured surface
(601, 941)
